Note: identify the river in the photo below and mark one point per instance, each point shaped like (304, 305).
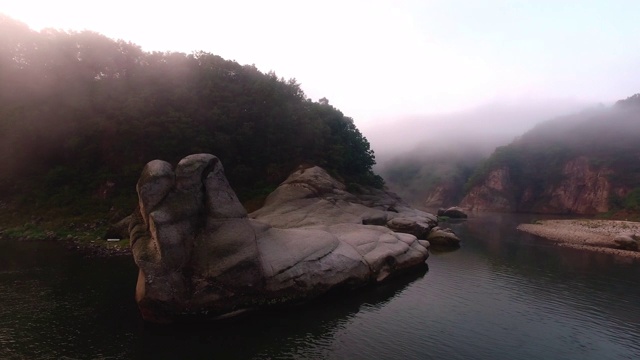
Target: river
(502, 295)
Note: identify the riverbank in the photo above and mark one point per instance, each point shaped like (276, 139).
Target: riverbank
(86, 234)
(80, 222)
(605, 236)
(82, 245)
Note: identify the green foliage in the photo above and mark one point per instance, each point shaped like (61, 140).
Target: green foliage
(606, 138)
(26, 231)
(632, 200)
(79, 110)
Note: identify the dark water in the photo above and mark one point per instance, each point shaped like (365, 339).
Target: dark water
(503, 295)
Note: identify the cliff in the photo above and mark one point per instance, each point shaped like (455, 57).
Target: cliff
(495, 193)
(584, 189)
(587, 163)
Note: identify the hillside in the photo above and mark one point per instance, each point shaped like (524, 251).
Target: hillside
(587, 163)
(80, 114)
(428, 159)
(433, 178)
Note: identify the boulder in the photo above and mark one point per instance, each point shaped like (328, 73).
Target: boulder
(627, 242)
(418, 227)
(439, 237)
(453, 212)
(201, 257)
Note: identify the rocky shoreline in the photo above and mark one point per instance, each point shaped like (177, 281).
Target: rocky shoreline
(605, 236)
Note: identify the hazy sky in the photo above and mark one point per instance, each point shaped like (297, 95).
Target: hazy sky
(380, 60)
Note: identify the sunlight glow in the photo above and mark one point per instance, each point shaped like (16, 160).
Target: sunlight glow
(386, 59)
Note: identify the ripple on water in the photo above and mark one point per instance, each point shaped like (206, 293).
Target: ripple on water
(501, 296)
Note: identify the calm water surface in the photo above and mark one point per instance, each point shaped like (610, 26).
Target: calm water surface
(503, 295)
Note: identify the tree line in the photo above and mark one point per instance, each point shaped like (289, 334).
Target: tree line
(79, 110)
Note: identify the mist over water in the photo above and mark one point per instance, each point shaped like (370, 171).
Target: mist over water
(479, 130)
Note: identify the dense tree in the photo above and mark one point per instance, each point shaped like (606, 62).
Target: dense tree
(78, 109)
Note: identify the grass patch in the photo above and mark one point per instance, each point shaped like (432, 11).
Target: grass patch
(620, 214)
(85, 224)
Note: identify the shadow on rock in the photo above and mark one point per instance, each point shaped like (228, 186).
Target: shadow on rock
(201, 257)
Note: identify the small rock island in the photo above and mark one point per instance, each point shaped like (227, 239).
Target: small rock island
(202, 257)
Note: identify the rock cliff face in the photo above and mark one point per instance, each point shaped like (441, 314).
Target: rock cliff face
(200, 256)
(446, 193)
(582, 163)
(582, 189)
(495, 193)
(436, 197)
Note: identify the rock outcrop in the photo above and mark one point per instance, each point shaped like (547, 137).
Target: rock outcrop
(436, 197)
(443, 238)
(445, 193)
(200, 256)
(312, 197)
(495, 193)
(579, 189)
(583, 190)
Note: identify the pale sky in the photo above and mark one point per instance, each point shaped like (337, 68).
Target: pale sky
(382, 60)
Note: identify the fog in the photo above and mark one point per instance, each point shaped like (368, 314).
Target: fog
(417, 154)
(430, 160)
(478, 130)
(385, 60)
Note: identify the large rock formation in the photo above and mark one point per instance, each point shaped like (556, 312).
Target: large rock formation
(201, 257)
(580, 189)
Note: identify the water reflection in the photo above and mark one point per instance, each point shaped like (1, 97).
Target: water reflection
(502, 295)
(561, 288)
(308, 329)
(56, 303)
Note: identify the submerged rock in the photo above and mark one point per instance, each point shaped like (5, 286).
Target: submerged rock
(453, 212)
(200, 256)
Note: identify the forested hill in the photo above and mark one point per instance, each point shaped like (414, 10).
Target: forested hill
(80, 114)
(585, 163)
